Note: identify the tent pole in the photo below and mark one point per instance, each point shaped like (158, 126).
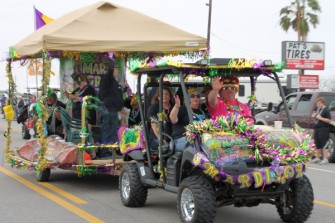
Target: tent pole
(209, 24)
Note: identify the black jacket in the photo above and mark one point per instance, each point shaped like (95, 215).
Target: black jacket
(110, 93)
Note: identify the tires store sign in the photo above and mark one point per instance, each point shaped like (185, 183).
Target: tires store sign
(303, 55)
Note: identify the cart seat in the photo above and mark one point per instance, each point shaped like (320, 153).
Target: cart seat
(72, 128)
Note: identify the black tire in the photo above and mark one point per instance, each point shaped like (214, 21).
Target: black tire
(331, 148)
(25, 132)
(132, 191)
(43, 175)
(299, 201)
(196, 200)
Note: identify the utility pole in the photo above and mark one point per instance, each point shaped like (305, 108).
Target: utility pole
(209, 24)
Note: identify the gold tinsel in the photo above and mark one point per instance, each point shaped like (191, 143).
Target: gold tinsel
(71, 55)
(43, 117)
(8, 102)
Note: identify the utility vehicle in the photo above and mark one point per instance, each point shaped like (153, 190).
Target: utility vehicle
(228, 161)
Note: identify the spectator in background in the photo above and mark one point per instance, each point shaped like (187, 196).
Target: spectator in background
(3, 104)
(14, 103)
(20, 104)
(322, 127)
(110, 93)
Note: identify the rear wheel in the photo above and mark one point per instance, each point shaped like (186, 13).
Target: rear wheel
(296, 204)
(43, 175)
(331, 148)
(25, 132)
(196, 200)
(132, 191)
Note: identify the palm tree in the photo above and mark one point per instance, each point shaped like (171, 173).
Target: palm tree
(298, 15)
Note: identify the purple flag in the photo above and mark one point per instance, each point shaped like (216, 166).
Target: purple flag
(41, 19)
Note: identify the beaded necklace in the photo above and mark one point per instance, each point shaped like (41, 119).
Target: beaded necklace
(232, 108)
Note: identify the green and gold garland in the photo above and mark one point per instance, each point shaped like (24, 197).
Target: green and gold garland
(43, 116)
(261, 148)
(9, 103)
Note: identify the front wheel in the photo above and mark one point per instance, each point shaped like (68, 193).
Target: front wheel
(296, 205)
(196, 200)
(132, 191)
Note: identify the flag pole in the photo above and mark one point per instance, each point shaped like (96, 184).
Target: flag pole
(36, 74)
(35, 28)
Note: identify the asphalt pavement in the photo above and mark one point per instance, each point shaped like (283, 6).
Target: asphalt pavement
(69, 198)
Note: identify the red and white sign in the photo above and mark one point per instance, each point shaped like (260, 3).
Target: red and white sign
(309, 81)
(303, 55)
(305, 64)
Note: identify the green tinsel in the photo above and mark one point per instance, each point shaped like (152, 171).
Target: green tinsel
(87, 57)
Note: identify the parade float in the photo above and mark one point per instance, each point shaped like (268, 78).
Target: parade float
(84, 41)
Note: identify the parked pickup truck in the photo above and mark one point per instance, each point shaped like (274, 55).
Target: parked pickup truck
(301, 105)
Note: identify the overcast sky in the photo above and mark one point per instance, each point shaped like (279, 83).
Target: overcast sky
(240, 28)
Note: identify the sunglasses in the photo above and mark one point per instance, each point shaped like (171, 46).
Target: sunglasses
(194, 95)
(229, 88)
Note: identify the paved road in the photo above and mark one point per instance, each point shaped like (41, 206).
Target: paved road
(68, 198)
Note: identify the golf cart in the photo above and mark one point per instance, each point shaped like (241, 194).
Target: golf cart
(228, 161)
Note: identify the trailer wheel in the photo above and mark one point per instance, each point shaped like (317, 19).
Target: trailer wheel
(132, 191)
(297, 204)
(43, 175)
(196, 200)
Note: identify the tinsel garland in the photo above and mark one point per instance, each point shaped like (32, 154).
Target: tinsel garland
(293, 151)
(13, 53)
(81, 170)
(87, 57)
(199, 70)
(259, 177)
(17, 163)
(9, 101)
(252, 102)
(111, 168)
(87, 147)
(71, 55)
(90, 102)
(237, 125)
(42, 163)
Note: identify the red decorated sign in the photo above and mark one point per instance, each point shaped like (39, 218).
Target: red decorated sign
(309, 81)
